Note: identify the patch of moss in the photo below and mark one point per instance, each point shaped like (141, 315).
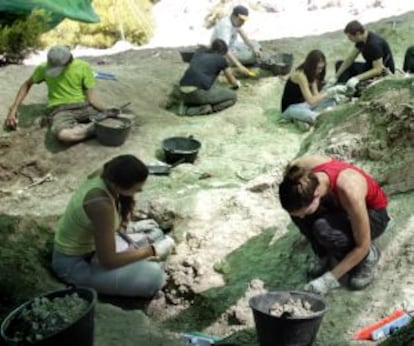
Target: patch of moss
(377, 89)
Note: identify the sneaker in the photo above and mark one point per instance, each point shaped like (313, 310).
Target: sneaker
(303, 126)
(363, 274)
(199, 110)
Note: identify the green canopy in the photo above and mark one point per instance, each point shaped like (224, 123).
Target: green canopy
(80, 10)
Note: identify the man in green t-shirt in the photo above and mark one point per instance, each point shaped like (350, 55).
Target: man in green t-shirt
(71, 96)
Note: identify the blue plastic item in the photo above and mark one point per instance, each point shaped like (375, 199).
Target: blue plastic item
(105, 76)
(390, 327)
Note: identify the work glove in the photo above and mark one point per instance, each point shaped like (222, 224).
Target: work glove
(337, 89)
(331, 82)
(163, 247)
(237, 85)
(322, 284)
(142, 226)
(352, 83)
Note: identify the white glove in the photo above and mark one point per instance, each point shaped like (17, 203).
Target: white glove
(322, 284)
(163, 247)
(337, 89)
(142, 226)
(331, 81)
(352, 83)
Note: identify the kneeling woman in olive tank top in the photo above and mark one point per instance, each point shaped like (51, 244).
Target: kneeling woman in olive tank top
(85, 249)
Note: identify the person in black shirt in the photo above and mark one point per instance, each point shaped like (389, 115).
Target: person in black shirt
(197, 92)
(409, 60)
(303, 97)
(375, 51)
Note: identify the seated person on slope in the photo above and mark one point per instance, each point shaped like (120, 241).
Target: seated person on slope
(87, 251)
(197, 93)
(303, 97)
(374, 49)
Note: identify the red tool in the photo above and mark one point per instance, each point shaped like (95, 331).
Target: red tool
(365, 333)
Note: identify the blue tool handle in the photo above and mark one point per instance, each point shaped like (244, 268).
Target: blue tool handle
(390, 327)
(105, 76)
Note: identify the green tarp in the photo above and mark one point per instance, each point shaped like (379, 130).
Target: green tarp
(80, 10)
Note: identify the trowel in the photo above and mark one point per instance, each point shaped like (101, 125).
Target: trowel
(163, 169)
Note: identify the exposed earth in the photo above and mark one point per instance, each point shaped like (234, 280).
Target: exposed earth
(234, 239)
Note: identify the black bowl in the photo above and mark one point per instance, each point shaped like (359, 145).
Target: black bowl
(180, 149)
(114, 135)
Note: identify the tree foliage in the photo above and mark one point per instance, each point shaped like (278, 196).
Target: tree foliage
(128, 20)
(22, 36)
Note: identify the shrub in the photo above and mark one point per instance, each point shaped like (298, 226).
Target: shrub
(128, 20)
(22, 37)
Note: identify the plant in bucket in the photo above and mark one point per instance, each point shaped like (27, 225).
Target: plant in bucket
(287, 318)
(64, 317)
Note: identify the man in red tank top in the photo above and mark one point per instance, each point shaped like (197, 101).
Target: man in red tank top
(340, 209)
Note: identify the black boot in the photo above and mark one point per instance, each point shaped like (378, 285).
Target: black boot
(319, 267)
(363, 274)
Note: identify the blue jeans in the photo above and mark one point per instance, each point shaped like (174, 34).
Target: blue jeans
(138, 279)
(305, 112)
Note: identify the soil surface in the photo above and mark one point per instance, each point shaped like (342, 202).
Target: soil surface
(234, 239)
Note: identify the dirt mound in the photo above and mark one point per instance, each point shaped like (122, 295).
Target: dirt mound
(230, 228)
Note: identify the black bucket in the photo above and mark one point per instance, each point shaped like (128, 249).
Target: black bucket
(278, 64)
(112, 131)
(180, 149)
(79, 333)
(187, 54)
(286, 331)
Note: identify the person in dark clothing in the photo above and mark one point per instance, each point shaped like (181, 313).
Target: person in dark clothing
(197, 92)
(374, 49)
(303, 97)
(340, 209)
(409, 60)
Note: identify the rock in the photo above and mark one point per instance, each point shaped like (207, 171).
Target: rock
(261, 183)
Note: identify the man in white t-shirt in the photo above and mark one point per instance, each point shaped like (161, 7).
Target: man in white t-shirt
(228, 29)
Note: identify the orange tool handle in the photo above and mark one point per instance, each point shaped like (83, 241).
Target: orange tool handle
(365, 333)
